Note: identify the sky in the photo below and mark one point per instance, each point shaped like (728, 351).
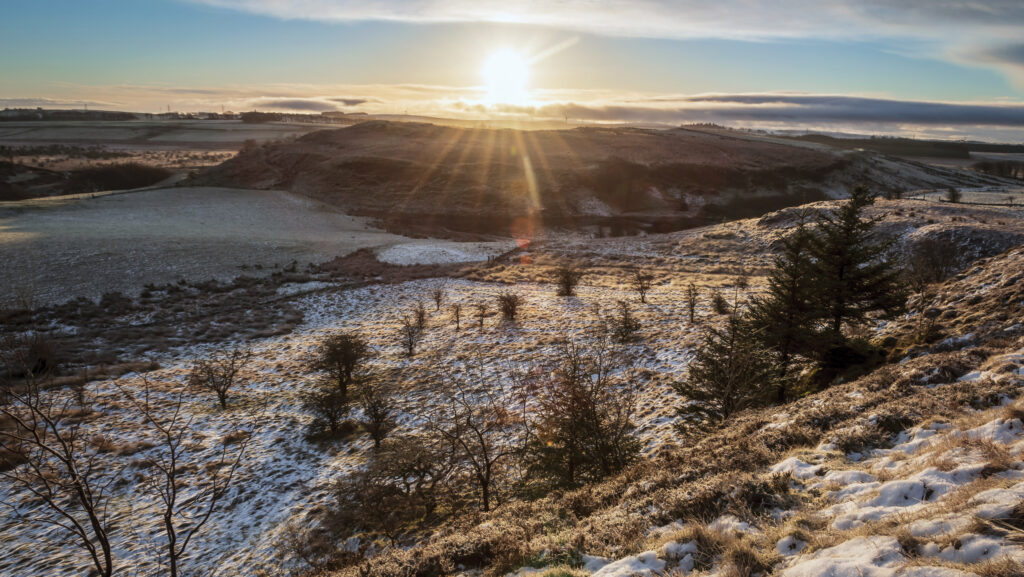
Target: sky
(937, 68)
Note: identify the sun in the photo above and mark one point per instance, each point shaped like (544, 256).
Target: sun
(506, 74)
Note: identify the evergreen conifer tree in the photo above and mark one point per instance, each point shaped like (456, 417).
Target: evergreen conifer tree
(784, 318)
(853, 274)
(730, 372)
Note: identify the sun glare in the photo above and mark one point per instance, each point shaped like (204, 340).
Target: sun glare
(506, 74)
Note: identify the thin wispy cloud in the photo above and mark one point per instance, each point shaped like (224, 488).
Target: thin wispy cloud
(967, 32)
(672, 18)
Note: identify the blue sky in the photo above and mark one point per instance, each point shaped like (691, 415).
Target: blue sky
(426, 56)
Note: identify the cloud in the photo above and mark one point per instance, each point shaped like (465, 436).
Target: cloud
(295, 104)
(759, 109)
(53, 103)
(1008, 58)
(774, 110)
(833, 108)
(976, 33)
(351, 101)
(673, 18)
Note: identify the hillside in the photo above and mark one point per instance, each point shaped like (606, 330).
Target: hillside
(483, 180)
(913, 470)
(810, 475)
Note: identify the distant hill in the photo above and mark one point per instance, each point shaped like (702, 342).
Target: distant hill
(424, 175)
(23, 114)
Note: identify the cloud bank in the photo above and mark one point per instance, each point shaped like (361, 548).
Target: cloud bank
(758, 109)
(799, 111)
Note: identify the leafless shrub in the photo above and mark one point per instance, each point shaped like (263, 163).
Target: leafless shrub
(378, 410)
(23, 300)
(457, 315)
(929, 261)
(340, 356)
(189, 487)
(719, 304)
(582, 428)
(60, 468)
(419, 316)
(481, 313)
(407, 481)
(508, 304)
(438, 295)
(31, 356)
(314, 547)
(567, 277)
(410, 334)
(625, 325)
(480, 429)
(691, 300)
(219, 372)
(329, 408)
(641, 282)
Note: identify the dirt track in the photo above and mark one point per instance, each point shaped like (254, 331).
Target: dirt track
(87, 247)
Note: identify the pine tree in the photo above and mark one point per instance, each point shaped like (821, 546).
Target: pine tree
(852, 274)
(730, 372)
(784, 317)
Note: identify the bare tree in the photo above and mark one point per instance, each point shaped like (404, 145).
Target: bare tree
(481, 430)
(508, 304)
(406, 480)
(581, 429)
(378, 410)
(691, 300)
(60, 468)
(314, 546)
(457, 315)
(410, 333)
(641, 283)
(340, 355)
(328, 406)
(219, 373)
(438, 294)
(930, 260)
(567, 276)
(419, 315)
(189, 487)
(481, 313)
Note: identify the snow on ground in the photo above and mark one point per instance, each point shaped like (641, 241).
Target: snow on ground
(933, 504)
(442, 252)
(123, 242)
(287, 478)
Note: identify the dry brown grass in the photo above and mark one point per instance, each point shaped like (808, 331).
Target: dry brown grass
(1002, 567)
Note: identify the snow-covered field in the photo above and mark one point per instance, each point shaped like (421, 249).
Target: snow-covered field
(983, 195)
(941, 480)
(287, 478)
(442, 252)
(120, 243)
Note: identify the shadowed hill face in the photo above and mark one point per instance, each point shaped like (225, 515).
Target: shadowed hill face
(416, 169)
(485, 179)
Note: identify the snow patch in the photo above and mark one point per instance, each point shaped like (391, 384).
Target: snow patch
(645, 564)
(442, 252)
(861, 557)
